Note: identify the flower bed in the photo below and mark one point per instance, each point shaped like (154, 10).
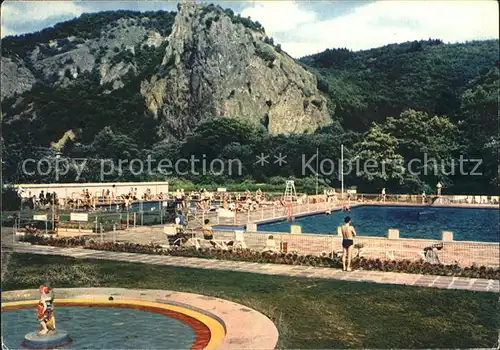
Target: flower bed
(405, 266)
(69, 242)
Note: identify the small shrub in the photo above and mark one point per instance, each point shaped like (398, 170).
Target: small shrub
(265, 52)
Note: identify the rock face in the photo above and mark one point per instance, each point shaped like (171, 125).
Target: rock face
(197, 63)
(61, 61)
(214, 67)
(16, 77)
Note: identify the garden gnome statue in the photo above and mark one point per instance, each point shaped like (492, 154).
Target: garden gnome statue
(46, 310)
(47, 337)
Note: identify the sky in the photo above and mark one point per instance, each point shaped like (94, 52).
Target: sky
(302, 27)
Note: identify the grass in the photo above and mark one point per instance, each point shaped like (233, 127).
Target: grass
(309, 313)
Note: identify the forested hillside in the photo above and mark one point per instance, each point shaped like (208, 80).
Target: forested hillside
(391, 104)
(429, 76)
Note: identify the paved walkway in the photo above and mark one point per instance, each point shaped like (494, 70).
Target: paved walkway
(472, 284)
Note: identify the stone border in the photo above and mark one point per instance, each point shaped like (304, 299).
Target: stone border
(245, 328)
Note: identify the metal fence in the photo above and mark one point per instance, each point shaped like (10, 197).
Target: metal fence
(318, 204)
(447, 252)
(113, 217)
(61, 223)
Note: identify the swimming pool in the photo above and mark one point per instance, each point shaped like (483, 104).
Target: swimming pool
(467, 224)
(93, 327)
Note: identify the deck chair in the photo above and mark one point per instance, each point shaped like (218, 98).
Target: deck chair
(213, 243)
(172, 234)
(179, 239)
(239, 240)
(270, 245)
(209, 241)
(218, 244)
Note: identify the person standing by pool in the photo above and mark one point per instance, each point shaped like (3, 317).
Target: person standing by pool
(348, 234)
(179, 222)
(383, 194)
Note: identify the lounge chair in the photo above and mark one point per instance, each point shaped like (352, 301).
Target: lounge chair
(174, 237)
(211, 242)
(270, 245)
(218, 244)
(171, 235)
(239, 240)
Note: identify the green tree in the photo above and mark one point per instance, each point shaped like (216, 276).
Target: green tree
(108, 144)
(479, 110)
(10, 199)
(380, 165)
(211, 136)
(428, 144)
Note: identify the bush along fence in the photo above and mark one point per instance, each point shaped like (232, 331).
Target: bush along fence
(247, 255)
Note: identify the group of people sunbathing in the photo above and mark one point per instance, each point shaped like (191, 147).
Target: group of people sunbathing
(89, 201)
(44, 199)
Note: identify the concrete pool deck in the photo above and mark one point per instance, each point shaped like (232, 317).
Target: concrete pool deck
(396, 278)
(231, 325)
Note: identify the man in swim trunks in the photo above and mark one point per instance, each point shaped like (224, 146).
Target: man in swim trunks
(348, 234)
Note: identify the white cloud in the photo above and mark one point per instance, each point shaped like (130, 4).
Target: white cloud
(278, 16)
(38, 10)
(381, 23)
(14, 12)
(300, 31)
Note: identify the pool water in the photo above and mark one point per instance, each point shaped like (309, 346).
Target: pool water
(103, 328)
(413, 222)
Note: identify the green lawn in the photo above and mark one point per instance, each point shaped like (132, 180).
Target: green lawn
(309, 313)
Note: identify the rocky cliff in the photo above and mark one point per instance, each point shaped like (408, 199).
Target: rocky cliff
(215, 67)
(16, 77)
(61, 60)
(178, 68)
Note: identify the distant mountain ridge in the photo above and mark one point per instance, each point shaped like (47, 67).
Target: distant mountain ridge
(152, 80)
(426, 75)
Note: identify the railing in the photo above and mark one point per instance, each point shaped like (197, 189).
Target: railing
(97, 221)
(448, 252)
(113, 216)
(267, 211)
(324, 203)
(232, 197)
